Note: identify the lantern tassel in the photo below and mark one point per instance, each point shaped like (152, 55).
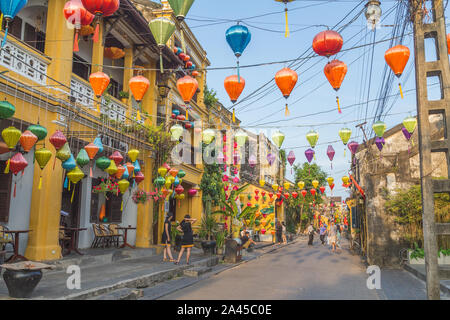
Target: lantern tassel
(339, 105)
(90, 172)
(161, 66)
(6, 35)
(345, 152)
(98, 107)
(138, 116)
(187, 113)
(40, 183)
(7, 167)
(75, 42)
(286, 111)
(1, 20)
(15, 185)
(286, 34)
(68, 187)
(412, 142)
(121, 206)
(234, 116)
(66, 183)
(401, 91)
(97, 30)
(73, 193)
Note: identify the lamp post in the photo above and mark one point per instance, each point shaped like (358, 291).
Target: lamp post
(373, 13)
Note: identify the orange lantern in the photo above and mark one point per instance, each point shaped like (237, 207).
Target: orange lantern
(102, 212)
(86, 30)
(195, 73)
(335, 72)
(234, 86)
(91, 150)
(286, 80)
(448, 43)
(187, 86)
(99, 82)
(397, 57)
(327, 43)
(113, 53)
(120, 170)
(27, 140)
(130, 168)
(173, 172)
(139, 86)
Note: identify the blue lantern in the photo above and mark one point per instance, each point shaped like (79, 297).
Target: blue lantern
(193, 67)
(238, 37)
(176, 112)
(9, 9)
(99, 144)
(179, 51)
(125, 175)
(69, 164)
(137, 167)
(176, 181)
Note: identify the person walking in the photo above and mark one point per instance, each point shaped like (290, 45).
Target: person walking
(338, 236)
(310, 231)
(332, 235)
(323, 233)
(278, 231)
(283, 232)
(187, 241)
(166, 238)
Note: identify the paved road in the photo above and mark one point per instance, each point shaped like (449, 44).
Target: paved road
(297, 271)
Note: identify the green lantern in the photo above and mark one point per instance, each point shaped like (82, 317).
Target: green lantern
(7, 110)
(162, 29)
(345, 134)
(181, 174)
(278, 138)
(38, 130)
(241, 137)
(103, 163)
(180, 8)
(208, 136)
(312, 138)
(64, 153)
(379, 128)
(176, 131)
(82, 158)
(159, 181)
(410, 124)
(257, 222)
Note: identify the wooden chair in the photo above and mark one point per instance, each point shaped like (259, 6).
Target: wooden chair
(108, 235)
(99, 238)
(115, 234)
(62, 239)
(6, 238)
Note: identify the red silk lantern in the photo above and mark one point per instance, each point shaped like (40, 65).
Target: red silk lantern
(188, 64)
(188, 125)
(76, 14)
(116, 157)
(294, 195)
(138, 87)
(249, 204)
(327, 43)
(186, 58)
(397, 57)
(256, 191)
(27, 140)
(58, 140)
(332, 186)
(182, 55)
(286, 195)
(322, 189)
(286, 79)
(335, 72)
(234, 87)
(100, 8)
(278, 195)
(270, 195)
(181, 118)
(179, 189)
(17, 163)
(304, 192)
(99, 82)
(257, 198)
(263, 193)
(139, 177)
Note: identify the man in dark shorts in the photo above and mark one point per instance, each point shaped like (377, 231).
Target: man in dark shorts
(246, 241)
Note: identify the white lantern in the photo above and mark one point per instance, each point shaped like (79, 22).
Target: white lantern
(373, 13)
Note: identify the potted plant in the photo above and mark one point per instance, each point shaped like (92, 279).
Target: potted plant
(140, 196)
(208, 227)
(124, 95)
(220, 241)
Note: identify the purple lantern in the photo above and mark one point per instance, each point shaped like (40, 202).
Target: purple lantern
(271, 158)
(291, 158)
(252, 161)
(330, 154)
(406, 133)
(309, 154)
(380, 143)
(353, 146)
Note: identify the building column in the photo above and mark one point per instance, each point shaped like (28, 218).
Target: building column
(128, 74)
(46, 203)
(144, 222)
(150, 100)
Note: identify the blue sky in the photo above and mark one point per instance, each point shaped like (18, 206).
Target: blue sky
(312, 93)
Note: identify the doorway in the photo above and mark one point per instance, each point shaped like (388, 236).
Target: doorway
(70, 210)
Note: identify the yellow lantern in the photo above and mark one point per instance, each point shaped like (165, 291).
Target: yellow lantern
(11, 136)
(75, 176)
(162, 171)
(275, 187)
(262, 182)
(345, 179)
(123, 185)
(330, 181)
(286, 185)
(133, 154)
(300, 184)
(168, 183)
(315, 183)
(112, 169)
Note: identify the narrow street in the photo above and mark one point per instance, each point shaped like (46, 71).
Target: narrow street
(301, 272)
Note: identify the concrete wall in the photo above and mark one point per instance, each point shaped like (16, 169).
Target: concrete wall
(392, 169)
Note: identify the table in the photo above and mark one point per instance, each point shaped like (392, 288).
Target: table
(73, 235)
(125, 243)
(16, 254)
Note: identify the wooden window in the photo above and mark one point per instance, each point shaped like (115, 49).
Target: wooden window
(15, 27)
(113, 204)
(33, 38)
(115, 88)
(5, 193)
(81, 67)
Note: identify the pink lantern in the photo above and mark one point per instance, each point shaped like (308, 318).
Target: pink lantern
(192, 192)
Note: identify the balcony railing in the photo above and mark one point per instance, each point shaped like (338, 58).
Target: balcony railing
(22, 62)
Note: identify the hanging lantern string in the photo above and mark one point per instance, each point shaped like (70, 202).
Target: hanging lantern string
(286, 34)
(400, 88)
(161, 65)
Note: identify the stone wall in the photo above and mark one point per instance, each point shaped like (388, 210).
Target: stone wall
(396, 167)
